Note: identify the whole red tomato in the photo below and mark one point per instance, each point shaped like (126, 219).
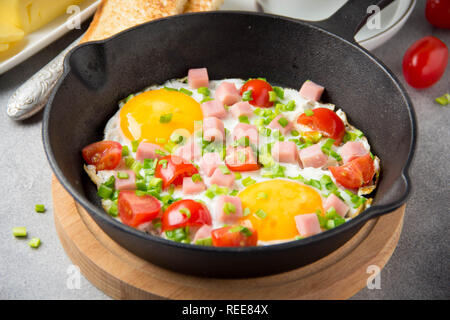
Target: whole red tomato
(424, 62)
(260, 92)
(438, 13)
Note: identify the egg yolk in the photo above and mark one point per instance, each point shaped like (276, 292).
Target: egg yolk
(153, 116)
(281, 201)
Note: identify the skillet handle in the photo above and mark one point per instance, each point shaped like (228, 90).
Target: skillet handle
(351, 17)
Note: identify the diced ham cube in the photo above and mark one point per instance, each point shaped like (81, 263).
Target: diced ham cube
(236, 155)
(222, 179)
(190, 151)
(220, 213)
(213, 108)
(147, 150)
(340, 206)
(191, 187)
(311, 90)
(246, 130)
(285, 128)
(198, 78)
(242, 108)
(203, 233)
(352, 150)
(285, 151)
(227, 93)
(213, 129)
(125, 184)
(307, 224)
(313, 157)
(210, 162)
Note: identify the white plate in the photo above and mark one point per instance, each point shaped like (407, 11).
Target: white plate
(393, 16)
(34, 42)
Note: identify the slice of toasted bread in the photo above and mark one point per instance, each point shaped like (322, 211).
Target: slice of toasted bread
(202, 5)
(113, 16)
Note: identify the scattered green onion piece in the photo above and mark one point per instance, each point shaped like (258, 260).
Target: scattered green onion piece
(330, 224)
(279, 92)
(204, 242)
(245, 231)
(243, 119)
(210, 194)
(134, 145)
(229, 208)
(136, 167)
(204, 91)
(160, 140)
(165, 118)
(163, 163)
(170, 89)
(113, 210)
(196, 178)
(247, 96)
(234, 192)
(105, 192)
(206, 99)
(178, 235)
(248, 181)
(261, 195)
(19, 232)
(309, 112)
(295, 133)
(258, 111)
(290, 106)
(160, 152)
(186, 212)
(247, 212)
(129, 162)
(125, 151)
(283, 122)
(224, 169)
(273, 96)
(260, 214)
(186, 91)
(176, 137)
(443, 100)
(129, 98)
(331, 213)
(122, 175)
(34, 243)
(39, 208)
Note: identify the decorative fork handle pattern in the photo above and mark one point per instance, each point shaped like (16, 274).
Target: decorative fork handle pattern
(32, 96)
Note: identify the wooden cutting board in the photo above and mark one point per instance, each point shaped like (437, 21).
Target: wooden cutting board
(122, 275)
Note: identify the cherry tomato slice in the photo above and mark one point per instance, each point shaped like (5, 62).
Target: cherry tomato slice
(438, 13)
(104, 155)
(192, 213)
(326, 121)
(241, 159)
(356, 173)
(424, 62)
(135, 210)
(234, 236)
(260, 92)
(172, 169)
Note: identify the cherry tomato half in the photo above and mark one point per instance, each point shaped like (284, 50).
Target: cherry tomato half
(260, 92)
(326, 121)
(104, 155)
(241, 159)
(192, 213)
(234, 236)
(172, 169)
(356, 173)
(438, 13)
(424, 62)
(134, 209)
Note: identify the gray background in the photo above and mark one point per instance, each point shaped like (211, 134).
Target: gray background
(418, 269)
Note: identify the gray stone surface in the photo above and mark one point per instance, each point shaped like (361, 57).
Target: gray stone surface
(418, 269)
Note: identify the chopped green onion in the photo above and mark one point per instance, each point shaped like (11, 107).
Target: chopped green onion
(247, 96)
(125, 151)
(331, 213)
(186, 212)
(247, 212)
(204, 91)
(260, 214)
(39, 208)
(234, 192)
(134, 145)
(122, 175)
(330, 224)
(160, 140)
(206, 99)
(322, 220)
(248, 181)
(186, 91)
(129, 98)
(336, 155)
(229, 208)
(265, 131)
(242, 141)
(237, 175)
(178, 235)
(204, 242)
(196, 178)
(295, 133)
(19, 232)
(290, 106)
(113, 210)
(314, 183)
(176, 137)
(165, 118)
(105, 192)
(261, 195)
(163, 163)
(309, 112)
(273, 96)
(34, 242)
(224, 169)
(170, 89)
(443, 100)
(160, 152)
(149, 163)
(156, 183)
(129, 162)
(258, 111)
(136, 167)
(210, 194)
(279, 92)
(283, 122)
(244, 119)
(245, 231)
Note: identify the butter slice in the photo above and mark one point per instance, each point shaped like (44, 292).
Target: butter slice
(9, 33)
(30, 15)
(4, 46)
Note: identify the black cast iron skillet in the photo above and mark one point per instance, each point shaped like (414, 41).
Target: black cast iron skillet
(240, 45)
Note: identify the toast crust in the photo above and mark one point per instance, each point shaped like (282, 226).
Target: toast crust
(202, 5)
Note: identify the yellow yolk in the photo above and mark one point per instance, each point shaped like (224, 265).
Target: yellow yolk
(140, 118)
(281, 200)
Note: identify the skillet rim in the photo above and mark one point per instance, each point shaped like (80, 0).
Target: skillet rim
(367, 214)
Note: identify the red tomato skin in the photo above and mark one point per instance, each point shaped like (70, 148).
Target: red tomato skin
(172, 218)
(232, 158)
(175, 170)
(104, 155)
(135, 210)
(326, 122)
(424, 62)
(356, 173)
(260, 92)
(223, 238)
(437, 13)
